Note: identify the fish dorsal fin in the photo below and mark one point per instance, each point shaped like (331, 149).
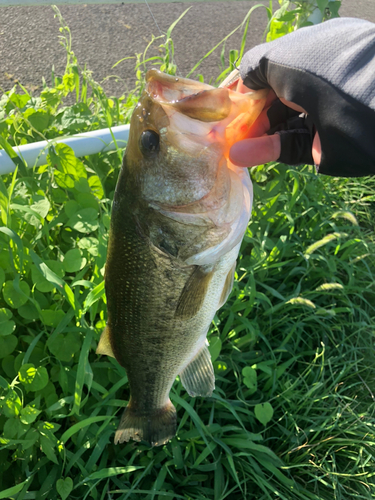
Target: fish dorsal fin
(193, 294)
(228, 285)
(198, 377)
(104, 346)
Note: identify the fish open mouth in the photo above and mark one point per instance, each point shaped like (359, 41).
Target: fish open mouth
(201, 115)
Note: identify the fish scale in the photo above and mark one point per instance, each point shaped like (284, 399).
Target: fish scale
(179, 213)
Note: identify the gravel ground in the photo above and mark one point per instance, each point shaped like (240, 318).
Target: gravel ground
(104, 34)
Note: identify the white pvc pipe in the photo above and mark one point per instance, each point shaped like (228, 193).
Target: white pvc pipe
(87, 143)
(316, 16)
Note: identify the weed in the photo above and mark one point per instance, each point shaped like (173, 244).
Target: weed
(293, 413)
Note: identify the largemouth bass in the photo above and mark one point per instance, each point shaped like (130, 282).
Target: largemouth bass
(179, 214)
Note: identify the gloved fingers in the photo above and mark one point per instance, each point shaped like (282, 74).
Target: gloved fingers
(296, 131)
(296, 147)
(256, 151)
(291, 146)
(289, 138)
(275, 118)
(274, 113)
(279, 113)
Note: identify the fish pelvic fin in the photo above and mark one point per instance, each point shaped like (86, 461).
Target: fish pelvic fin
(104, 346)
(157, 426)
(198, 377)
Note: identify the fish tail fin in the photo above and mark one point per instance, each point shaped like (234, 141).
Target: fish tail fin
(157, 426)
(198, 377)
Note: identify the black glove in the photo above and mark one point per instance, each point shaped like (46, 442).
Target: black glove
(329, 70)
(296, 133)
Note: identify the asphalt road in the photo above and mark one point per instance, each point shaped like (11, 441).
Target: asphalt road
(105, 34)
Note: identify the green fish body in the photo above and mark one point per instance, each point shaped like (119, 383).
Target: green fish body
(179, 214)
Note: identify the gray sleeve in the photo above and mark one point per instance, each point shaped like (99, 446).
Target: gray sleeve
(329, 70)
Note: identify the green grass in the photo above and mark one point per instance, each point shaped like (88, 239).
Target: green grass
(292, 416)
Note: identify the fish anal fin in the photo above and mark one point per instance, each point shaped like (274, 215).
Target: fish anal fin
(198, 377)
(104, 346)
(228, 285)
(193, 294)
(157, 426)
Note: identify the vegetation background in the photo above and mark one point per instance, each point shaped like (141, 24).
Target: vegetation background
(293, 413)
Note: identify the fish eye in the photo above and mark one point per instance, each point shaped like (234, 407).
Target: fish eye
(149, 142)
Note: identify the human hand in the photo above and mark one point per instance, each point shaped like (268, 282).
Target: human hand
(278, 132)
(326, 71)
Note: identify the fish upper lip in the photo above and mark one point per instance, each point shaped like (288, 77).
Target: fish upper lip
(157, 82)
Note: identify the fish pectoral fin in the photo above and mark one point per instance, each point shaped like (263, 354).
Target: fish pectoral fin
(104, 346)
(228, 285)
(198, 377)
(193, 293)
